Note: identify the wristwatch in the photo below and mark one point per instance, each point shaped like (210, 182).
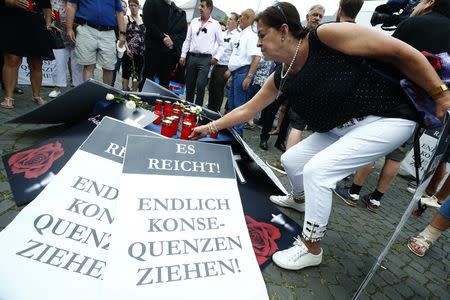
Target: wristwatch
(438, 90)
(122, 32)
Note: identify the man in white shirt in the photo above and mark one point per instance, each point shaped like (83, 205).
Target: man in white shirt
(202, 48)
(243, 64)
(218, 80)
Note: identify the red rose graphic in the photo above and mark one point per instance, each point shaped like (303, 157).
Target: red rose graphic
(35, 162)
(434, 60)
(263, 236)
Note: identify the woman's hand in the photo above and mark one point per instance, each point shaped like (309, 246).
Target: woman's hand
(53, 26)
(23, 4)
(442, 104)
(199, 132)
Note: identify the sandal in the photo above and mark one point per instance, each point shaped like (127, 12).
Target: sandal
(39, 100)
(419, 245)
(7, 103)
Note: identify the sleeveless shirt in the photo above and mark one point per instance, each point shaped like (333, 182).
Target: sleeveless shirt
(332, 88)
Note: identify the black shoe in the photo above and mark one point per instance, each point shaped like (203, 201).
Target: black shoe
(263, 145)
(18, 91)
(281, 147)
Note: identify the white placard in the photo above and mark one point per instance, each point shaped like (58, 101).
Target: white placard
(48, 67)
(180, 231)
(57, 247)
(428, 142)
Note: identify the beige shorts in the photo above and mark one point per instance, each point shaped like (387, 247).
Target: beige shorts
(96, 47)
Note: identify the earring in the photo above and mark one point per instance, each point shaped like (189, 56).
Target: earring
(282, 39)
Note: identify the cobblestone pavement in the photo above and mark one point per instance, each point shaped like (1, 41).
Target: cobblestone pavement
(354, 239)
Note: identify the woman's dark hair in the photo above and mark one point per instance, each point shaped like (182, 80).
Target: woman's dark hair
(442, 7)
(283, 13)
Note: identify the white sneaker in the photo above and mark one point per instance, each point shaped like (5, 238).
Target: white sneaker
(288, 201)
(431, 201)
(297, 257)
(54, 94)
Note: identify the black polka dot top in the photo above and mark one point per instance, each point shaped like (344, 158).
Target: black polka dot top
(333, 88)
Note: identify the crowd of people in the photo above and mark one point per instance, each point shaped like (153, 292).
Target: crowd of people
(319, 76)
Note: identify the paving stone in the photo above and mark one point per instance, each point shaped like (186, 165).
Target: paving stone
(272, 274)
(392, 293)
(276, 292)
(5, 205)
(404, 290)
(7, 218)
(305, 293)
(339, 292)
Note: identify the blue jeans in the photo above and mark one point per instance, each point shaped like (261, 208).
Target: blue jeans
(445, 209)
(238, 96)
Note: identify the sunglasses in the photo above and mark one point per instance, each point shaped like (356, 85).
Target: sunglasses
(278, 7)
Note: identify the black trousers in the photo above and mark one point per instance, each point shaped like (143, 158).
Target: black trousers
(267, 117)
(160, 64)
(197, 69)
(216, 87)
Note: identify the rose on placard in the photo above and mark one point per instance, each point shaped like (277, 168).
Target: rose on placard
(35, 162)
(263, 237)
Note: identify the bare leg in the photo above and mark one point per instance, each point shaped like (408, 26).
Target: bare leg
(387, 175)
(125, 84)
(135, 86)
(444, 192)
(10, 73)
(313, 247)
(436, 179)
(294, 137)
(35, 75)
(88, 72)
(107, 76)
(439, 222)
(361, 174)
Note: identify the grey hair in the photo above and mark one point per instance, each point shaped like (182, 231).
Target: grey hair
(315, 7)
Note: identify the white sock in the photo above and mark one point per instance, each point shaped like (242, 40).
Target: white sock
(431, 233)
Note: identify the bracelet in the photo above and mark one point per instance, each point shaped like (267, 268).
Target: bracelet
(122, 33)
(214, 127)
(250, 75)
(438, 90)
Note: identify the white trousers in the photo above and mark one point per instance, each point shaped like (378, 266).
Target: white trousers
(60, 73)
(317, 163)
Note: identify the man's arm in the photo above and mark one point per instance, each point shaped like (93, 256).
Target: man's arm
(121, 26)
(251, 72)
(71, 9)
(220, 45)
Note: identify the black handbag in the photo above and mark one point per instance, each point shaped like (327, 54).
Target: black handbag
(56, 39)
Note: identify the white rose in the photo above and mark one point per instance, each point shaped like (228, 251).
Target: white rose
(110, 97)
(135, 80)
(198, 109)
(131, 105)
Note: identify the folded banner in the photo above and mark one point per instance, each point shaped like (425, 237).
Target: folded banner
(180, 228)
(58, 244)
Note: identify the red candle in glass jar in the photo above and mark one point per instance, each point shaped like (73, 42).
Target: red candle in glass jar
(187, 116)
(175, 122)
(158, 105)
(176, 112)
(213, 135)
(158, 119)
(176, 105)
(167, 109)
(186, 130)
(166, 128)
